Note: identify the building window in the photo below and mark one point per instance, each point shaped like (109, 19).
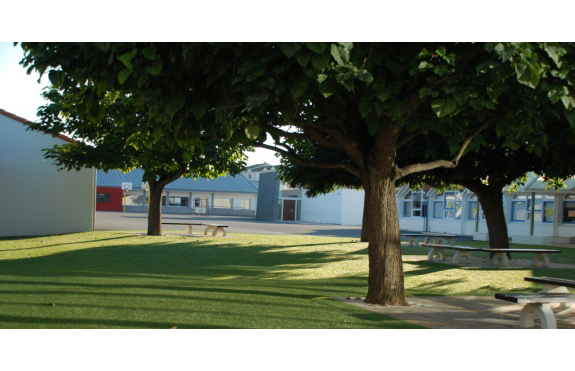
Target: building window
(416, 205)
(135, 200)
(473, 210)
(245, 204)
(537, 209)
(102, 197)
(458, 210)
(568, 211)
(519, 208)
(407, 206)
(438, 209)
(548, 210)
(178, 201)
(449, 205)
(222, 203)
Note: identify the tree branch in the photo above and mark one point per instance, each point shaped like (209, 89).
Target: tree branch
(416, 168)
(308, 163)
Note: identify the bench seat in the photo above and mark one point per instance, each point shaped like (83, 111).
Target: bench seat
(460, 252)
(188, 224)
(537, 305)
(215, 228)
(540, 258)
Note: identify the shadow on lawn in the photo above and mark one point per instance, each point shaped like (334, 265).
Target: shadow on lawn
(193, 283)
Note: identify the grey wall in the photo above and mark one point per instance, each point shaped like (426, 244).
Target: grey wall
(268, 196)
(35, 198)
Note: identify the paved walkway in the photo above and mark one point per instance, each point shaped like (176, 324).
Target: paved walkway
(462, 312)
(466, 312)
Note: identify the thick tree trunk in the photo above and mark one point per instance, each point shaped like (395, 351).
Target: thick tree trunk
(385, 286)
(491, 199)
(155, 209)
(365, 219)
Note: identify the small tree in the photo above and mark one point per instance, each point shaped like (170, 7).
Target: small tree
(116, 134)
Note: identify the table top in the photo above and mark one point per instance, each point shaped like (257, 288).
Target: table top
(429, 235)
(523, 250)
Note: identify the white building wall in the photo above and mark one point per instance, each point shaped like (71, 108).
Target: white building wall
(352, 206)
(35, 198)
(323, 209)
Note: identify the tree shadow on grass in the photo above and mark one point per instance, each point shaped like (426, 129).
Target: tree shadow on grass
(211, 277)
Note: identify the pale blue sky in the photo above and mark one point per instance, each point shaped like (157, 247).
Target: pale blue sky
(20, 93)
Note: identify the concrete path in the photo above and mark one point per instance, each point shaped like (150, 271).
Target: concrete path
(107, 221)
(462, 312)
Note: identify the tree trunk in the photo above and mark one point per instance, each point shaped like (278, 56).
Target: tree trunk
(155, 209)
(491, 199)
(365, 219)
(385, 286)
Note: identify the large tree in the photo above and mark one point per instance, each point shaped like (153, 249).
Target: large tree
(365, 100)
(113, 133)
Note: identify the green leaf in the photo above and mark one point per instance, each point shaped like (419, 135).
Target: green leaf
(365, 106)
(383, 95)
(527, 74)
(303, 57)
(123, 75)
(149, 52)
(568, 101)
(444, 107)
(365, 76)
(252, 131)
(321, 61)
(570, 115)
(316, 47)
(155, 69)
(56, 78)
(327, 85)
(341, 52)
(126, 58)
(555, 52)
(289, 49)
(200, 108)
(175, 104)
(298, 87)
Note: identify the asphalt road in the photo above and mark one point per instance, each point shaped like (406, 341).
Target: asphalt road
(107, 220)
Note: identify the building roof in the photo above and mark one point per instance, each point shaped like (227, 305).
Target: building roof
(28, 122)
(261, 167)
(226, 183)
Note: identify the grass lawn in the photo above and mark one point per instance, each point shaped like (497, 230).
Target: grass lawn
(121, 280)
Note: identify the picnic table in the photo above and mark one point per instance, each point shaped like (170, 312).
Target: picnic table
(437, 238)
(539, 305)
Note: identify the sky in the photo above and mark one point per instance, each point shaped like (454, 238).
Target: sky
(20, 94)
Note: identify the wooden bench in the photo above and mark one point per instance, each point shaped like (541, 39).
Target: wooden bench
(188, 224)
(413, 238)
(215, 228)
(460, 252)
(539, 258)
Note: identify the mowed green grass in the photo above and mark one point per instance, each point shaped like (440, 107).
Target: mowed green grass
(122, 280)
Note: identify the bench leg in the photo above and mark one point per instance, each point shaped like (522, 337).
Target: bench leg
(552, 289)
(543, 311)
(189, 229)
(413, 242)
(436, 251)
(541, 260)
(216, 229)
(500, 259)
(206, 231)
(462, 254)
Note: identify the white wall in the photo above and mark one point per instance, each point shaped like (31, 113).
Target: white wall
(322, 209)
(35, 198)
(352, 206)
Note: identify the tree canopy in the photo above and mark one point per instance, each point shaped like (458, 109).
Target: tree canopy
(367, 100)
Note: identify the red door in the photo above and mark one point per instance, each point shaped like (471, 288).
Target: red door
(289, 210)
